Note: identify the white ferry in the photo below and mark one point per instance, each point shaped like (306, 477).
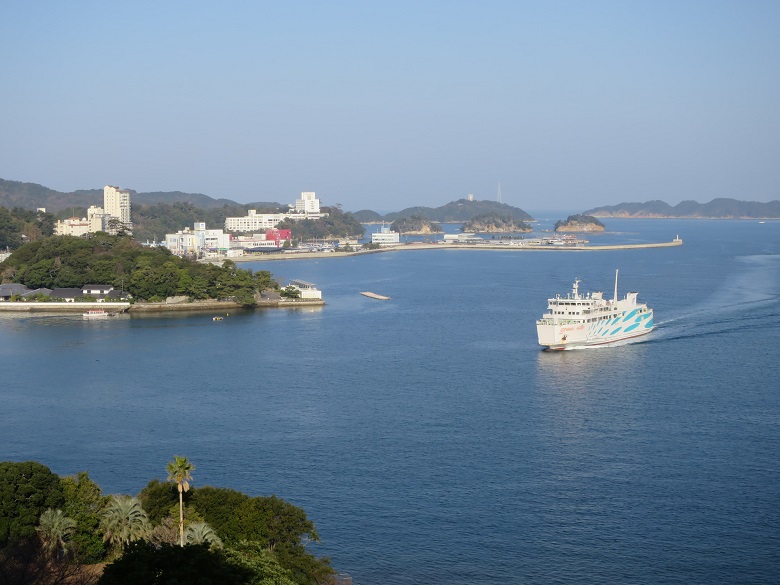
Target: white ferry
(578, 320)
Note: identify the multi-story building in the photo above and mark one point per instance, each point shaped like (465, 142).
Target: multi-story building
(116, 203)
(254, 221)
(193, 242)
(308, 203)
(116, 206)
(307, 207)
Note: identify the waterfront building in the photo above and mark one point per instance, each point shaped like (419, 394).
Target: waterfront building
(385, 237)
(272, 240)
(308, 290)
(197, 241)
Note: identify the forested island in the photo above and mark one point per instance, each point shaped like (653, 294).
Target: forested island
(452, 212)
(579, 223)
(147, 273)
(493, 223)
(415, 224)
(64, 531)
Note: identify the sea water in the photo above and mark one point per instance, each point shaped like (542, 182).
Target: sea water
(428, 437)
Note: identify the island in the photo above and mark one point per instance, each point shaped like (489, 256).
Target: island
(415, 224)
(720, 208)
(494, 223)
(579, 224)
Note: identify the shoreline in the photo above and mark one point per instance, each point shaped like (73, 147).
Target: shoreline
(423, 246)
(26, 308)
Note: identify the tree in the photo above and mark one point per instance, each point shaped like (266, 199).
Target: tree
(290, 292)
(27, 489)
(124, 521)
(55, 530)
(158, 499)
(202, 533)
(264, 566)
(173, 565)
(179, 473)
(84, 502)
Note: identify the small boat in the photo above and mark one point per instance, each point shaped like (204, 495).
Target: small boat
(97, 314)
(217, 318)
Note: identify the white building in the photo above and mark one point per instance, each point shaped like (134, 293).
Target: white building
(254, 221)
(193, 242)
(385, 237)
(308, 203)
(307, 207)
(72, 226)
(308, 289)
(116, 203)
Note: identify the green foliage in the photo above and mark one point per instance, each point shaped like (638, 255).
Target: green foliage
(414, 223)
(159, 498)
(55, 531)
(18, 226)
(493, 222)
(27, 489)
(124, 521)
(290, 292)
(273, 523)
(460, 211)
(337, 225)
(262, 563)
(150, 274)
(84, 502)
(578, 219)
(194, 564)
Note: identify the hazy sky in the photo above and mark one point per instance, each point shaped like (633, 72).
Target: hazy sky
(383, 105)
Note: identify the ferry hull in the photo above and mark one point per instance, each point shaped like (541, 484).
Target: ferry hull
(574, 336)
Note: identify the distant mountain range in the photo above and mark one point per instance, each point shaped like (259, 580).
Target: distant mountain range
(32, 196)
(715, 209)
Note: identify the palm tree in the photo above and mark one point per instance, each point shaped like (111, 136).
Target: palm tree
(124, 521)
(202, 533)
(179, 473)
(54, 530)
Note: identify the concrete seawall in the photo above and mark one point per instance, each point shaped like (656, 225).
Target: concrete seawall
(24, 307)
(421, 246)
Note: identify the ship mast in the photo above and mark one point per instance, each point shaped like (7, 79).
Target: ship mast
(614, 298)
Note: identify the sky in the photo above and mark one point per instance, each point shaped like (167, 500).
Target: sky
(386, 105)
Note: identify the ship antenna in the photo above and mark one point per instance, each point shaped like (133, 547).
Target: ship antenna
(615, 297)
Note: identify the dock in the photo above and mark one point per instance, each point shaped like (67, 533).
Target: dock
(375, 296)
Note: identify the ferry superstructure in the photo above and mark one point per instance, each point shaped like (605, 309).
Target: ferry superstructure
(581, 320)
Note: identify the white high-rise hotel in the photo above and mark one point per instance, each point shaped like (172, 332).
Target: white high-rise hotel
(116, 203)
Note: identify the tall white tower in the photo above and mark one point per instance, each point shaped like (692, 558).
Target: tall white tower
(116, 203)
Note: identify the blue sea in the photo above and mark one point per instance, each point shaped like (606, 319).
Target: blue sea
(428, 437)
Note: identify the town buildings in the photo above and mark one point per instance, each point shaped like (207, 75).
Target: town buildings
(307, 207)
(200, 241)
(113, 217)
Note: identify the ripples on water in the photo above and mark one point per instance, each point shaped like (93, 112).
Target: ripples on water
(428, 437)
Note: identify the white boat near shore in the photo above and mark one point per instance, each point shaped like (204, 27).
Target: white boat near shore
(581, 320)
(97, 314)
